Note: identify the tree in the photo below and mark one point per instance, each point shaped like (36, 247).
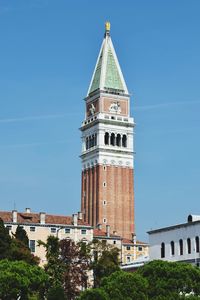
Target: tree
(168, 280)
(54, 266)
(94, 294)
(125, 286)
(56, 293)
(19, 279)
(76, 263)
(19, 251)
(5, 241)
(21, 235)
(106, 261)
(67, 265)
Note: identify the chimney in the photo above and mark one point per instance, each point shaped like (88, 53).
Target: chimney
(42, 217)
(99, 226)
(134, 238)
(80, 215)
(108, 230)
(27, 210)
(75, 219)
(14, 216)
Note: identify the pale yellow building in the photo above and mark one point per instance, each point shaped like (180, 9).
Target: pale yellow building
(39, 226)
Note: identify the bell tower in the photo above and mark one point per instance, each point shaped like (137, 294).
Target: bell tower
(107, 195)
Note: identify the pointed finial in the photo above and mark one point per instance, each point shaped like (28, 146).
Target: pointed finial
(107, 27)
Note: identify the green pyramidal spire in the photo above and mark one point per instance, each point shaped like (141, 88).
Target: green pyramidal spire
(107, 74)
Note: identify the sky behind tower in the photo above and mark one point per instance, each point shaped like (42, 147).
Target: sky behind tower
(48, 50)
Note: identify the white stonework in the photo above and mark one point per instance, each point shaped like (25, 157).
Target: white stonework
(105, 154)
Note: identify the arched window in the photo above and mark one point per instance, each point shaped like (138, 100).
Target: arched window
(162, 254)
(124, 141)
(181, 247)
(197, 244)
(112, 139)
(189, 246)
(172, 248)
(106, 138)
(87, 143)
(90, 142)
(95, 139)
(118, 140)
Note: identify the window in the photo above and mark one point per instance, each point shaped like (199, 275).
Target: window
(32, 245)
(104, 168)
(172, 248)
(9, 227)
(128, 259)
(118, 140)
(140, 248)
(112, 139)
(104, 220)
(181, 247)
(114, 242)
(124, 141)
(32, 228)
(197, 244)
(128, 248)
(67, 230)
(87, 143)
(106, 138)
(53, 229)
(104, 202)
(162, 254)
(104, 184)
(83, 231)
(189, 246)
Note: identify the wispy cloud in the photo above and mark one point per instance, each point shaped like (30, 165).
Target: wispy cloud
(36, 144)
(163, 105)
(35, 118)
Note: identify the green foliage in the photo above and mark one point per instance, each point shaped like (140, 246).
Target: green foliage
(54, 266)
(125, 286)
(170, 279)
(18, 278)
(56, 293)
(20, 252)
(15, 248)
(94, 294)
(5, 241)
(21, 235)
(106, 261)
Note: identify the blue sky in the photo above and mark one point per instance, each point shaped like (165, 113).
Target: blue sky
(48, 50)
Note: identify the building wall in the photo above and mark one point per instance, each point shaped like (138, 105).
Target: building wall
(43, 231)
(189, 231)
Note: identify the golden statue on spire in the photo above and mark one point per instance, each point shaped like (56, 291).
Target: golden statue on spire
(107, 26)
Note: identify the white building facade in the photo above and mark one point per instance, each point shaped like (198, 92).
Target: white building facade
(177, 243)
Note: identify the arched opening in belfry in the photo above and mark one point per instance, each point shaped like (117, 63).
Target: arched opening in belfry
(118, 140)
(90, 142)
(95, 139)
(124, 141)
(106, 138)
(112, 139)
(87, 143)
